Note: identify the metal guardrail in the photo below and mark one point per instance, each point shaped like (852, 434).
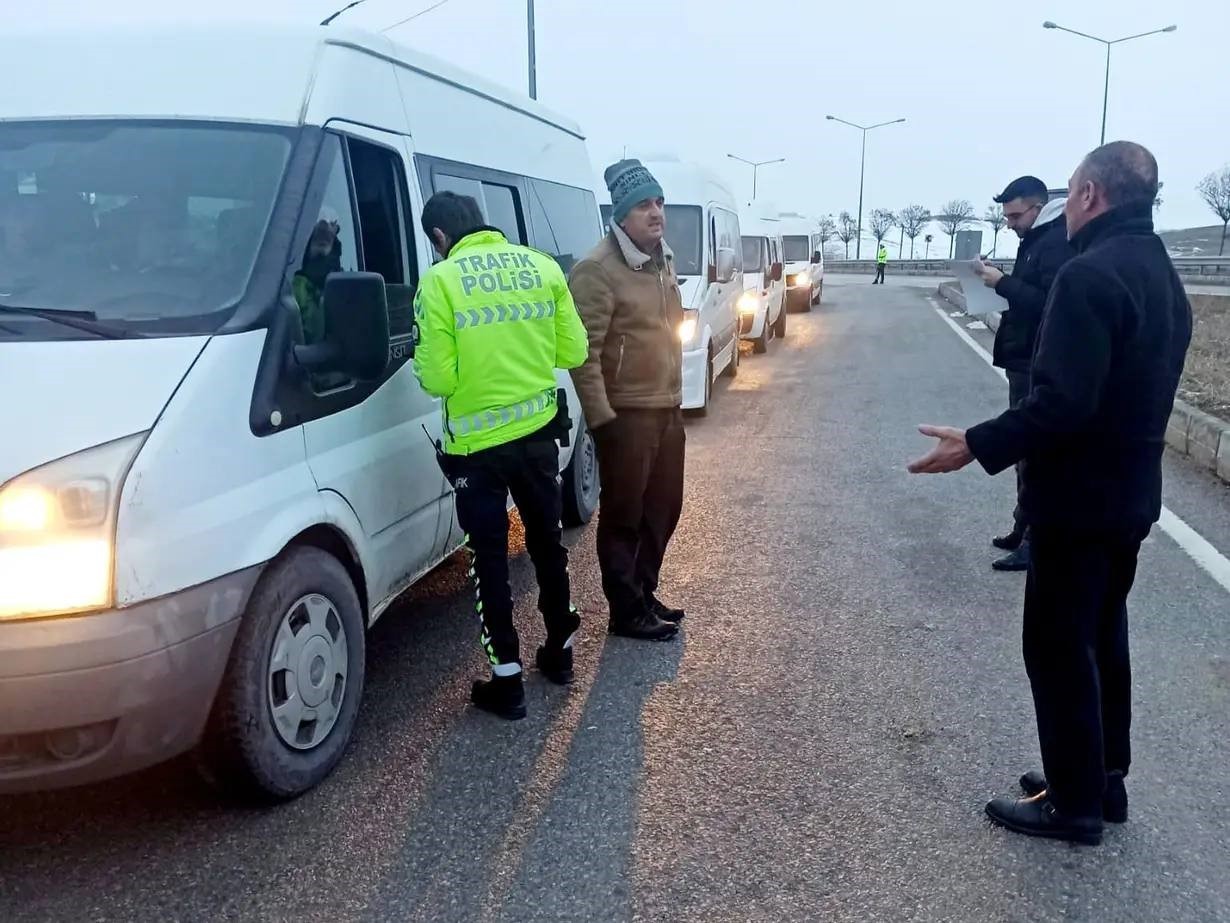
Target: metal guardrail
(1205, 269)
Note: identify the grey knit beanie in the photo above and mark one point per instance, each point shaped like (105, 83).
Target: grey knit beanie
(630, 184)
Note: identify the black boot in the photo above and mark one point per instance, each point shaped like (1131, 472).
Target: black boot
(1114, 800)
(1036, 816)
(501, 695)
(1016, 561)
(1011, 541)
(663, 611)
(555, 663)
(642, 625)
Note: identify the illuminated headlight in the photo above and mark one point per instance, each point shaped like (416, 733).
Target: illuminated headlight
(803, 278)
(57, 532)
(748, 303)
(688, 327)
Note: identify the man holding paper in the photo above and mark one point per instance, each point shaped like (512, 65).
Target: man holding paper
(1043, 250)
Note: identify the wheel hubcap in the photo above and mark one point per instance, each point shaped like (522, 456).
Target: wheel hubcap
(308, 666)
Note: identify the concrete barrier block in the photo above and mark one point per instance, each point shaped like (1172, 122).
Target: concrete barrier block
(1177, 428)
(1204, 438)
(1223, 456)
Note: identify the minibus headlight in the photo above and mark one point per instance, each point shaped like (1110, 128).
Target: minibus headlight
(57, 532)
(803, 278)
(688, 327)
(748, 303)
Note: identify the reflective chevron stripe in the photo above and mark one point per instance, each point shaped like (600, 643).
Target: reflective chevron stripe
(490, 419)
(503, 313)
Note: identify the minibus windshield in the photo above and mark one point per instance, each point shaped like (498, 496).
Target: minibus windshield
(150, 227)
(683, 236)
(752, 249)
(796, 249)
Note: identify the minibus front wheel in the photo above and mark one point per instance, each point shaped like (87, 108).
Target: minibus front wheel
(290, 695)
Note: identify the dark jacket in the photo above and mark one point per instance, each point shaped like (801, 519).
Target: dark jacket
(1043, 250)
(1110, 352)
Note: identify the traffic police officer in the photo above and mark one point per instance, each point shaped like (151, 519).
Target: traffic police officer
(495, 320)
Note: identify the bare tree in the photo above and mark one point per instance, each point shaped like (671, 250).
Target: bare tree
(1215, 190)
(847, 230)
(995, 218)
(826, 230)
(913, 220)
(880, 222)
(958, 214)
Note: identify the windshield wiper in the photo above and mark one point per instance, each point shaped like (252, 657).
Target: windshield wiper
(78, 320)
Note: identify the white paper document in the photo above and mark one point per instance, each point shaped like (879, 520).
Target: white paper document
(979, 300)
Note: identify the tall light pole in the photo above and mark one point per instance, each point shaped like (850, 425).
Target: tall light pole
(858, 244)
(533, 51)
(1108, 43)
(755, 165)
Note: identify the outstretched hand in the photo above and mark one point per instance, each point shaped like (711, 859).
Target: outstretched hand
(951, 454)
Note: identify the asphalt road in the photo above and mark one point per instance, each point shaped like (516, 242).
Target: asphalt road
(847, 693)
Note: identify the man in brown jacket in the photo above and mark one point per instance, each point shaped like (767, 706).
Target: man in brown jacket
(631, 388)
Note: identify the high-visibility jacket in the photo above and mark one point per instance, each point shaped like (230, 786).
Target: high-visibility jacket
(495, 320)
(882, 255)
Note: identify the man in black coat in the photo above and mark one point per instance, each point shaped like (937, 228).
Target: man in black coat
(1039, 222)
(1110, 352)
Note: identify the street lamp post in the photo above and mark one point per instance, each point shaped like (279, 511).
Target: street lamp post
(533, 51)
(858, 244)
(755, 165)
(1108, 43)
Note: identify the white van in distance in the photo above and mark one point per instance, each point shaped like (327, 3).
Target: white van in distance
(762, 306)
(804, 257)
(217, 467)
(702, 230)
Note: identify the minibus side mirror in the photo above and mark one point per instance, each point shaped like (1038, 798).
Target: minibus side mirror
(777, 272)
(356, 328)
(815, 258)
(725, 265)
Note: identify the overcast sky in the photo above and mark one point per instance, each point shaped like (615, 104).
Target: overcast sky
(988, 94)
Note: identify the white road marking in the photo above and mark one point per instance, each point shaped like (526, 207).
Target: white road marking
(1197, 547)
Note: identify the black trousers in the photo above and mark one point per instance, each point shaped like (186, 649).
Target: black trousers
(1018, 390)
(1076, 654)
(528, 470)
(879, 273)
(641, 461)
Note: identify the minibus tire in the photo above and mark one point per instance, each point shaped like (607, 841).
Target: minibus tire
(760, 344)
(242, 753)
(732, 368)
(779, 325)
(582, 483)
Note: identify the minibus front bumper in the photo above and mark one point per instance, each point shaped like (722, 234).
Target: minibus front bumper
(88, 697)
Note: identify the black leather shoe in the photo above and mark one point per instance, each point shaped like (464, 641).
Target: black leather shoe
(644, 626)
(1114, 801)
(1011, 541)
(1036, 816)
(1016, 561)
(503, 696)
(665, 612)
(555, 664)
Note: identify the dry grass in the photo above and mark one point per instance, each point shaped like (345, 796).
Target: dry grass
(1206, 378)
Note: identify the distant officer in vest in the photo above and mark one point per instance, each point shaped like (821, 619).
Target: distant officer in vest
(495, 320)
(881, 264)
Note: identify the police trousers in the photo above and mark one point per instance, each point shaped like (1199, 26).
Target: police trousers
(1076, 654)
(528, 470)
